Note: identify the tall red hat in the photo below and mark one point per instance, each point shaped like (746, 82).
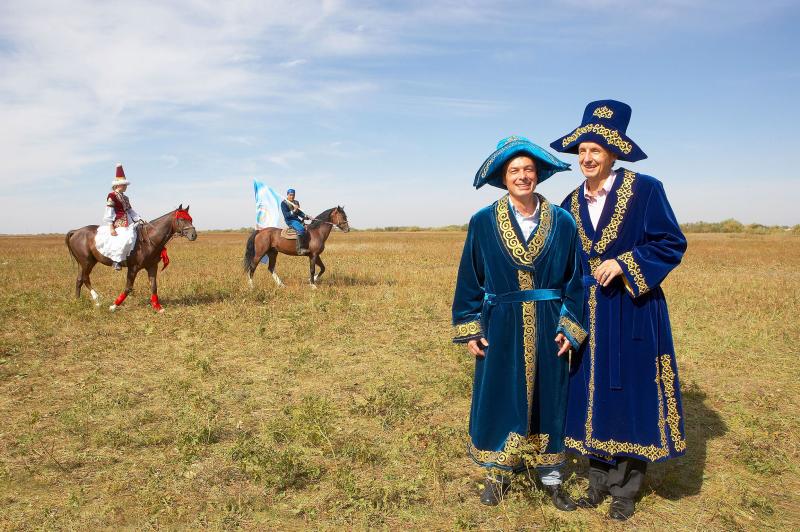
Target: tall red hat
(119, 179)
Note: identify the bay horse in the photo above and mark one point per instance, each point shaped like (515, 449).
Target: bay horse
(269, 242)
(150, 248)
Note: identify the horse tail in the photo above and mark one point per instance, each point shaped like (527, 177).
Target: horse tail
(249, 251)
(71, 251)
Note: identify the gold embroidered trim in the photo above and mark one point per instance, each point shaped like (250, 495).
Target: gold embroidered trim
(576, 214)
(519, 449)
(612, 447)
(575, 330)
(633, 268)
(624, 194)
(603, 112)
(612, 136)
(673, 417)
(520, 254)
(501, 150)
(594, 262)
(528, 336)
(469, 328)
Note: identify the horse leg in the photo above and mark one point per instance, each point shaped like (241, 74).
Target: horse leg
(128, 287)
(321, 268)
(86, 271)
(152, 273)
(273, 258)
(312, 266)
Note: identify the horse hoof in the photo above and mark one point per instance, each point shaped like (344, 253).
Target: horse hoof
(313, 287)
(97, 304)
(160, 310)
(112, 308)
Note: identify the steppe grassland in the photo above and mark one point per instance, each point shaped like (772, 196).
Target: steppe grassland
(347, 406)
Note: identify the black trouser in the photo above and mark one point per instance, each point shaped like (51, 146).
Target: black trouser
(623, 480)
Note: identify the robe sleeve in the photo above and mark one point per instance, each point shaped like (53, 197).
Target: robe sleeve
(570, 322)
(468, 298)
(134, 215)
(108, 215)
(646, 265)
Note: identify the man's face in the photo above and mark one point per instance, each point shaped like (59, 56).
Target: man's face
(121, 188)
(290, 196)
(596, 161)
(520, 178)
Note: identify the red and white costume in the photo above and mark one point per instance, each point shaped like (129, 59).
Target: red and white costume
(121, 215)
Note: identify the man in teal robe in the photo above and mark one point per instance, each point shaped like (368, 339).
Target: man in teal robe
(518, 306)
(624, 401)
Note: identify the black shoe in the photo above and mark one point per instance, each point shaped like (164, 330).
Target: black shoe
(592, 499)
(561, 500)
(621, 509)
(494, 491)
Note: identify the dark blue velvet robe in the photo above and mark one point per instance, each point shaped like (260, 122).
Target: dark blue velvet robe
(624, 395)
(519, 396)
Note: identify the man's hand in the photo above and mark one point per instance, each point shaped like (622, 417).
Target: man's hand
(476, 348)
(113, 231)
(563, 343)
(607, 271)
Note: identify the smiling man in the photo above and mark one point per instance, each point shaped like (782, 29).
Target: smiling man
(518, 307)
(624, 400)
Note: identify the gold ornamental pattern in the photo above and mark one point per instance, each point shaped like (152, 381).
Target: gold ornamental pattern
(612, 136)
(574, 329)
(611, 231)
(575, 209)
(636, 272)
(673, 418)
(525, 279)
(522, 255)
(469, 328)
(603, 112)
(519, 449)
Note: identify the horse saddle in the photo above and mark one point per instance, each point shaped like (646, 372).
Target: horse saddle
(289, 234)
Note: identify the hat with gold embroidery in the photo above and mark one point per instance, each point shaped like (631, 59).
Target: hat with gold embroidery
(604, 122)
(491, 171)
(119, 178)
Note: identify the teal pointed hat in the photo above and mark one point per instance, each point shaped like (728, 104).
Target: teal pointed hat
(491, 171)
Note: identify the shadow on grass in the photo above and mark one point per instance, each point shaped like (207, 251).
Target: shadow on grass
(196, 299)
(683, 477)
(354, 280)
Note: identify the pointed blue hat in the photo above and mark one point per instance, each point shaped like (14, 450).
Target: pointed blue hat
(604, 122)
(491, 171)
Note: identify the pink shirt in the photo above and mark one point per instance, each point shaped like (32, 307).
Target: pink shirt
(597, 202)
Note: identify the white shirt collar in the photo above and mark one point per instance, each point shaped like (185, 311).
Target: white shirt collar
(519, 216)
(606, 186)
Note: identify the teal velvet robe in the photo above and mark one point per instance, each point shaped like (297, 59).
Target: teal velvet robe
(519, 395)
(624, 395)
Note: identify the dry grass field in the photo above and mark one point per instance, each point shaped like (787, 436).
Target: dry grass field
(346, 407)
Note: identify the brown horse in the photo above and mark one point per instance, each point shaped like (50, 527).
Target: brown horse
(269, 242)
(147, 252)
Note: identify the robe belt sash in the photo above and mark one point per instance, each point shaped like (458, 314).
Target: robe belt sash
(614, 352)
(517, 296)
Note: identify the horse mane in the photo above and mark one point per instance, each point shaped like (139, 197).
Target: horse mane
(325, 216)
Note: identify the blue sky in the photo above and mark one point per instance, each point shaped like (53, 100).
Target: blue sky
(387, 108)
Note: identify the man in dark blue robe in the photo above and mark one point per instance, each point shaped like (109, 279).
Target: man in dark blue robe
(518, 306)
(624, 406)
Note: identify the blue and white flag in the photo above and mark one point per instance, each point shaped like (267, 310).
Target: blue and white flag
(268, 206)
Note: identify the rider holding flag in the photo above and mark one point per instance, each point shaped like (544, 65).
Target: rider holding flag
(294, 218)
